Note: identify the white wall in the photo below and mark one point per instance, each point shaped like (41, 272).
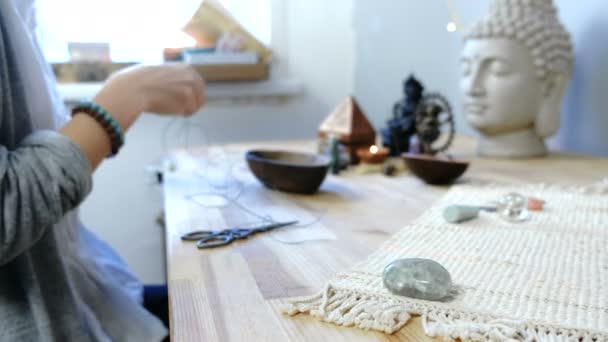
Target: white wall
(313, 41)
(585, 111)
(396, 38)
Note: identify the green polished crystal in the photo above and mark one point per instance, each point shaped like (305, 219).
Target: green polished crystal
(460, 213)
(417, 278)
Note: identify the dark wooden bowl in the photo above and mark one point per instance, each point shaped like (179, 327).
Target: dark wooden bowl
(300, 173)
(435, 170)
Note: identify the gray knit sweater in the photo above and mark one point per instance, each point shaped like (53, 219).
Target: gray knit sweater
(53, 285)
(39, 183)
(42, 177)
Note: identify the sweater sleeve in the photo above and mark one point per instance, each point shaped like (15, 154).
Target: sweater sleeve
(40, 181)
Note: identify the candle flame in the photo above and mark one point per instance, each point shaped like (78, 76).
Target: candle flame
(373, 149)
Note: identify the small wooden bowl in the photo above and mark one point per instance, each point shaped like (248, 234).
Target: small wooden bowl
(433, 170)
(295, 172)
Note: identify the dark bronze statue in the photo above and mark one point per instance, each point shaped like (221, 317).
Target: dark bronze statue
(402, 126)
(426, 121)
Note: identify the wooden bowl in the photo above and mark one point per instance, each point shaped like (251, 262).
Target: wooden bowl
(433, 170)
(296, 172)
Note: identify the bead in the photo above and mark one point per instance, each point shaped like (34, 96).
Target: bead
(535, 204)
(513, 207)
(109, 124)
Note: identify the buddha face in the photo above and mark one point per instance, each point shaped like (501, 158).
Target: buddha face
(502, 92)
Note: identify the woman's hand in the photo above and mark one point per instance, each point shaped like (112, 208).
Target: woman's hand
(164, 89)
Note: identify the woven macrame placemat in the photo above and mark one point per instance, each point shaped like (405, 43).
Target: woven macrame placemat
(542, 280)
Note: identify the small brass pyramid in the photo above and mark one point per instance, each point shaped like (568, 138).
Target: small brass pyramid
(349, 124)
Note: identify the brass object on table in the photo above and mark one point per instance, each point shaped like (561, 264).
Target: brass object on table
(434, 124)
(351, 126)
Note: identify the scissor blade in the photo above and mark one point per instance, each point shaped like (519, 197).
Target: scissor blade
(272, 226)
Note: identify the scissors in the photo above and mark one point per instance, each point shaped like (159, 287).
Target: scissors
(210, 239)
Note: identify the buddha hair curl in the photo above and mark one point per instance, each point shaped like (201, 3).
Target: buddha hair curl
(533, 23)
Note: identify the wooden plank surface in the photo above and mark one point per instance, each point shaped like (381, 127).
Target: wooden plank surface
(234, 293)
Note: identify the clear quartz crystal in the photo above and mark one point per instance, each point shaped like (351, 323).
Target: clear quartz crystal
(513, 207)
(417, 278)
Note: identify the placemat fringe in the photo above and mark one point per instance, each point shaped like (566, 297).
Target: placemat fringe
(369, 312)
(348, 308)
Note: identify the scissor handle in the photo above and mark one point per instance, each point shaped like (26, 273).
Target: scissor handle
(197, 235)
(210, 239)
(216, 240)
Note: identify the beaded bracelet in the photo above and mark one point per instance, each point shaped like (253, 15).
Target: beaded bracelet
(107, 121)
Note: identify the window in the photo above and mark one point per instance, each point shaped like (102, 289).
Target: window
(136, 30)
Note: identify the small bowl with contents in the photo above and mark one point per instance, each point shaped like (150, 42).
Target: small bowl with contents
(435, 170)
(296, 172)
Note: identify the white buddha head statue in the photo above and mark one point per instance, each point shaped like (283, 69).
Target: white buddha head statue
(516, 64)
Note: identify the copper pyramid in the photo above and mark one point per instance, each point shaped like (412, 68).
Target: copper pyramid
(349, 123)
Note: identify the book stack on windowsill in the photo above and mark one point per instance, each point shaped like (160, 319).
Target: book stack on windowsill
(225, 51)
(227, 66)
(206, 57)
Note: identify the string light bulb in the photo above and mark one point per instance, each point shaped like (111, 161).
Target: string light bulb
(451, 27)
(454, 23)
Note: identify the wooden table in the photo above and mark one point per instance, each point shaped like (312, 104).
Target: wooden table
(234, 293)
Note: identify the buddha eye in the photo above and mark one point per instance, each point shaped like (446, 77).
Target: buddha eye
(466, 67)
(500, 68)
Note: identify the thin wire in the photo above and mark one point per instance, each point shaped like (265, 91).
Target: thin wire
(263, 218)
(165, 134)
(185, 131)
(297, 242)
(223, 190)
(228, 166)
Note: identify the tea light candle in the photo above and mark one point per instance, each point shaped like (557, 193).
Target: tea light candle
(373, 154)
